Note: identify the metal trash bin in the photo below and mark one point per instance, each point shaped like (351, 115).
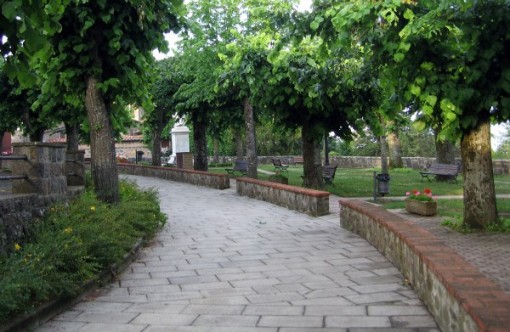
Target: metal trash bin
(381, 184)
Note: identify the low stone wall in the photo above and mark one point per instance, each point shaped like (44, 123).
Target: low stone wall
(501, 166)
(19, 212)
(312, 202)
(456, 293)
(199, 178)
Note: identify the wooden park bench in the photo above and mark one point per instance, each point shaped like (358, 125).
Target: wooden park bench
(328, 174)
(278, 165)
(449, 171)
(298, 160)
(240, 166)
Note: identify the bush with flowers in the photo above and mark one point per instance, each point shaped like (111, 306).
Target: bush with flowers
(424, 196)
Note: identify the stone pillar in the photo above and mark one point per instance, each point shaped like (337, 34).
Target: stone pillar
(44, 168)
(180, 140)
(75, 167)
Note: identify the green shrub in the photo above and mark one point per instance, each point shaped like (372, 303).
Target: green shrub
(72, 244)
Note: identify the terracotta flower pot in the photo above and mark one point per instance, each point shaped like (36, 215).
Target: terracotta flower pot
(423, 208)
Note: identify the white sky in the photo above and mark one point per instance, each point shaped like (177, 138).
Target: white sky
(171, 38)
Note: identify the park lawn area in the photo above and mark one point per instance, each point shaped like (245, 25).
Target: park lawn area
(359, 182)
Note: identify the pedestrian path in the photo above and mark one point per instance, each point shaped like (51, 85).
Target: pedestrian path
(226, 263)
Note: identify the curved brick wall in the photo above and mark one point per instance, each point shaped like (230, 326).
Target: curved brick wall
(199, 178)
(456, 293)
(309, 201)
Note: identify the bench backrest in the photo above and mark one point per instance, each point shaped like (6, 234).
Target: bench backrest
(241, 165)
(329, 171)
(444, 169)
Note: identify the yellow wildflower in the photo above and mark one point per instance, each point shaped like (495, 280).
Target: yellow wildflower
(68, 230)
(17, 247)
(92, 208)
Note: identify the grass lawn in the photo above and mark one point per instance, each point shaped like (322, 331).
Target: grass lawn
(356, 182)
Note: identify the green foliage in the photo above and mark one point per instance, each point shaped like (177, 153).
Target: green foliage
(72, 244)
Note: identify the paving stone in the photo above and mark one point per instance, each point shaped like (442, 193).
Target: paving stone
(290, 321)
(105, 317)
(283, 310)
(144, 282)
(388, 297)
(225, 263)
(101, 306)
(154, 328)
(164, 319)
(202, 309)
(357, 321)
(335, 310)
(413, 321)
(154, 289)
(98, 327)
(393, 310)
(174, 307)
(58, 326)
(226, 320)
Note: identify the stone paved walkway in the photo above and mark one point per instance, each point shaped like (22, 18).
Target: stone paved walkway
(225, 263)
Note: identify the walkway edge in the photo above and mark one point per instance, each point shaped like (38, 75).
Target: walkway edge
(459, 297)
(48, 310)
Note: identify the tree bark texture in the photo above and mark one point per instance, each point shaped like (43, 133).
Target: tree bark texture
(216, 150)
(238, 137)
(251, 142)
(312, 166)
(73, 136)
(326, 148)
(395, 150)
(156, 147)
(156, 139)
(479, 194)
(200, 140)
(102, 145)
(445, 153)
(384, 154)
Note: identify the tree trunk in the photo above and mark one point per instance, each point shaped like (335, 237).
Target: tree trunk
(312, 166)
(395, 150)
(239, 144)
(156, 146)
(200, 139)
(102, 145)
(445, 153)
(479, 194)
(251, 143)
(73, 136)
(384, 155)
(216, 148)
(326, 148)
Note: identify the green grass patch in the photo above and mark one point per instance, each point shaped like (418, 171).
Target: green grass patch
(452, 211)
(72, 244)
(359, 182)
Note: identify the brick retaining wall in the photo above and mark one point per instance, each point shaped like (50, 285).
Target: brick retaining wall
(199, 178)
(456, 293)
(309, 201)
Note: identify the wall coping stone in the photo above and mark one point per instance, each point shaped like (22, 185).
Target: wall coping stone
(286, 187)
(482, 299)
(221, 181)
(174, 169)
